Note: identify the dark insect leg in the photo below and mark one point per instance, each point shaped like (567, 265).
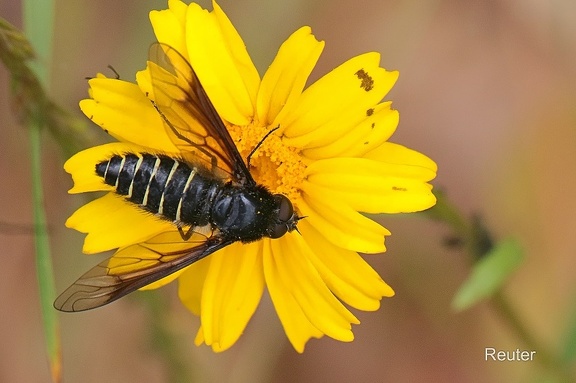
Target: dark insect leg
(114, 70)
(186, 235)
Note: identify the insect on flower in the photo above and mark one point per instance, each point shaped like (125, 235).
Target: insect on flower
(210, 196)
(195, 135)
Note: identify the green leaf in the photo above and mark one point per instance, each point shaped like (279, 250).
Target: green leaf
(489, 274)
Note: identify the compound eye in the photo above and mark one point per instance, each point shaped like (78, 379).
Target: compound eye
(286, 211)
(285, 217)
(279, 230)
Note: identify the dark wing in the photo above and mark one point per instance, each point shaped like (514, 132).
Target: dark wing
(134, 267)
(192, 121)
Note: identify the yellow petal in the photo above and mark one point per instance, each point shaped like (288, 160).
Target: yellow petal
(122, 110)
(199, 339)
(191, 283)
(286, 77)
(371, 132)
(318, 304)
(112, 222)
(342, 225)
(391, 153)
(394, 195)
(296, 325)
(338, 101)
(82, 166)
(345, 273)
(361, 172)
(219, 57)
(232, 290)
(371, 186)
(169, 25)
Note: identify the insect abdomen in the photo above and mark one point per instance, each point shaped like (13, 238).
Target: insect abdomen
(161, 185)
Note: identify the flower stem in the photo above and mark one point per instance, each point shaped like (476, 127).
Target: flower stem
(44, 269)
(477, 241)
(38, 24)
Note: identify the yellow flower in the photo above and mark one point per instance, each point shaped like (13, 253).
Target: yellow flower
(330, 156)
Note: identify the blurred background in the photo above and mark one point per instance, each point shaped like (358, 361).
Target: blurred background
(487, 89)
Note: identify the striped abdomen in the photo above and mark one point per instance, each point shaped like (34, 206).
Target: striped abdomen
(161, 185)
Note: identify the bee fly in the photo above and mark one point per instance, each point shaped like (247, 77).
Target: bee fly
(210, 190)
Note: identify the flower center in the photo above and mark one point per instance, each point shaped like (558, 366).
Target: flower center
(275, 165)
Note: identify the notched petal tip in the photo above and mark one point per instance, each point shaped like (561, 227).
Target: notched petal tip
(222, 63)
(112, 223)
(392, 153)
(345, 272)
(287, 75)
(337, 102)
(82, 166)
(373, 130)
(121, 109)
(231, 292)
(371, 186)
(305, 306)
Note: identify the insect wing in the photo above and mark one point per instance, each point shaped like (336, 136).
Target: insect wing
(192, 121)
(135, 267)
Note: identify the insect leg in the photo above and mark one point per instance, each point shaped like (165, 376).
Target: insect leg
(115, 72)
(185, 235)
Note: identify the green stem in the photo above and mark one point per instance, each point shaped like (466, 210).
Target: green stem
(44, 269)
(38, 25)
(549, 361)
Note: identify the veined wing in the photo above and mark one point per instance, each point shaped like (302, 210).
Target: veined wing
(192, 121)
(134, 267)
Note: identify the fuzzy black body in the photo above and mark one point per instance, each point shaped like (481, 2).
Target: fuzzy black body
(188, 196)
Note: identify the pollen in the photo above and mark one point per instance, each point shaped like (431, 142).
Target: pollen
(274, 164)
